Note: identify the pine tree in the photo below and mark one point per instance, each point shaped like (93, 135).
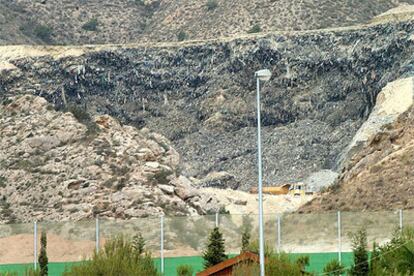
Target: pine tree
(215, 251)
(359, 248)
(138, 243)
(245, 239)
(43, 260)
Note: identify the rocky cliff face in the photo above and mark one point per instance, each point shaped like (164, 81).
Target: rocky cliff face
(201, 95)
(64, 166)
(132, 21)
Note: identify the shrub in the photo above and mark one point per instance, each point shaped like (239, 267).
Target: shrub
(254, 248)
(43, 260)
(43, 32)
(303, 262)
(3, 181)
(359, 248)
(245, 239)
(396, 256)
(138, 243)
(118, 257)
(211, 5)
(182, 35)
(215, 251)
(91, 25)
(185, 270)
(255, 29)
(279, 264)
(333, 268)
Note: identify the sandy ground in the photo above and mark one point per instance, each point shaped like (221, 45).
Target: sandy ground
(239, 202)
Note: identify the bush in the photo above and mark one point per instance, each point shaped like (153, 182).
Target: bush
(279, 264)
(245, 239)
(211, 5)
(255, 29)
(395, 257)
(91, 25)
(43, 32)
(118, 257)
(359, 248)
(215, 252)
(138, 243)
(333, 268)
(181, 36)
(254, 248)
(185, 270)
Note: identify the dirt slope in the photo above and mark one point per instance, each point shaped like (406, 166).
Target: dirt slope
(63, 22)
(380, 177)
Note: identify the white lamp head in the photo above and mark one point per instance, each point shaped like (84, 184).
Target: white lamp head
(263, 75)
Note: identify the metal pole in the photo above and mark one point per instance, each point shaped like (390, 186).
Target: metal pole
(97, 234)
(35, 245)
(401, 219)
(339, 237)
(217, 219)
(162, 244)
(259, 165)
(279, 240)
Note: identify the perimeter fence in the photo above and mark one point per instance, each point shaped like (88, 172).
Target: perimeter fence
(168, 237)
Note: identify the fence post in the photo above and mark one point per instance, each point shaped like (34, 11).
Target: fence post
(401, 219)
(339, 237)
(97, 234)
(162, 244)
(35, 245)
(217, 219)
(279, 241)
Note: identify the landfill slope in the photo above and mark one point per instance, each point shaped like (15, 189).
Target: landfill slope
(201, 95)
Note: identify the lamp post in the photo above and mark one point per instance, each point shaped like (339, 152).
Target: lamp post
(261, 75)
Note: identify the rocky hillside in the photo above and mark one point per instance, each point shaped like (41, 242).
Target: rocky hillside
(64, 166)
(201, 95)
(379, 177)
(131, 21)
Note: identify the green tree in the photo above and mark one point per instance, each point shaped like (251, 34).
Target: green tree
(215, 252)
(138, 243)
(245, 239)
(333, 268)
(43, 260)
(359, 248)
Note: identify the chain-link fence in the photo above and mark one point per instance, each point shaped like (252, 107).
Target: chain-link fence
(168, 237)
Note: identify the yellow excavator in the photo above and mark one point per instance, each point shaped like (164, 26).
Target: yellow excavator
(296, 189)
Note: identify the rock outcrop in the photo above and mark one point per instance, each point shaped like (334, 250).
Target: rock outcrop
(64, 166)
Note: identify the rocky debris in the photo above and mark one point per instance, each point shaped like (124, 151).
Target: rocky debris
(64, 166)
(320, 180)
(201, 95)
(222, 180)
(379, 176)
(126, 21)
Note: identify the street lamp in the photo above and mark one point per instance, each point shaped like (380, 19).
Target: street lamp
(261, 75)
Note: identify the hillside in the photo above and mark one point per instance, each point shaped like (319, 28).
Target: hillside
(134, 21)
(379, 177)
(200, 94)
